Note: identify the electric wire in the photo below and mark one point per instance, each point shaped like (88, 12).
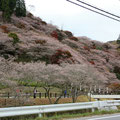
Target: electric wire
(98, 8)
(93, 10)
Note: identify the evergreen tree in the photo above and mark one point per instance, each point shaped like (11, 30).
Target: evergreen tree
(6, 11)
(8, 7)
(23, 8)
(0, 5)
(12, 5)
(20, 10)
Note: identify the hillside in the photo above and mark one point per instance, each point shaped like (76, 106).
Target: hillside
(39, 41)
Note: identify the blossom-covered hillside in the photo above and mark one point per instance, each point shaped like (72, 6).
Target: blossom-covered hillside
(28, 39)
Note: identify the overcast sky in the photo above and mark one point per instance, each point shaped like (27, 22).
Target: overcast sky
(78, 20)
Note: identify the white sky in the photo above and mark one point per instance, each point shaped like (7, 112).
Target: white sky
(78, 20)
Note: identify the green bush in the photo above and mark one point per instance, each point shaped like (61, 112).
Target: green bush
(61, 36)
(24, 58)
(73, 38)
(118, 75)
(118, 41)
(68, 33)
(99, 48)
(2, 86)
(15, 38)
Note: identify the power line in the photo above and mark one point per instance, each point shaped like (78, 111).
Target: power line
(93, 10)
(98, 8)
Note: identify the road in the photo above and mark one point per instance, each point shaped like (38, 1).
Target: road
(102, 117)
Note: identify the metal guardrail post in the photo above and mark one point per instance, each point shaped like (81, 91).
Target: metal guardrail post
(55, 95)
(40, 95)
(45, 95)
(40, 115)
(93, 109)
(8, 94)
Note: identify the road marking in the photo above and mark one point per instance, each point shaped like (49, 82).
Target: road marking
(104, 117)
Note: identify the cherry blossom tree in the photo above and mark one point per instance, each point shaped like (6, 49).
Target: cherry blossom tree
(6, 67)
(66, 76)
(81, 76)
(47, 75)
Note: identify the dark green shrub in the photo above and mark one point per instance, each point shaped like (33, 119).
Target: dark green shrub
(118, 41)
(7, 7)
(99, 48)
(6, 12)
(43, 23)
(0, 5)
(2, 86)
(61, 36)
(73, 38)
(24, 58)
(30, 15)
(68, 33)
(116, 69)
(44, 58)
(15, 38)
(118, 75)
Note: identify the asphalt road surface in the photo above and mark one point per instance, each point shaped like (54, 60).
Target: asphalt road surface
(102, 117)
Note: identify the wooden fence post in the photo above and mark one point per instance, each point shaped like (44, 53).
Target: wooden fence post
(50, 95)
(55, 95)
(39, 95)
(8, 94)
(45, 95)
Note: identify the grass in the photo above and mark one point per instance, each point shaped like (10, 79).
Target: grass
(44, 101)
(38, 101)
(65, 116)
(72, 115)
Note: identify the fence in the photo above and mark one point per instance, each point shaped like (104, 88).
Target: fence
(44, 95)
(34, 95)
(29, 110)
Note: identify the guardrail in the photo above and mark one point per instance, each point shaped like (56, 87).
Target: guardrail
(29, 110)
(105, 96)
